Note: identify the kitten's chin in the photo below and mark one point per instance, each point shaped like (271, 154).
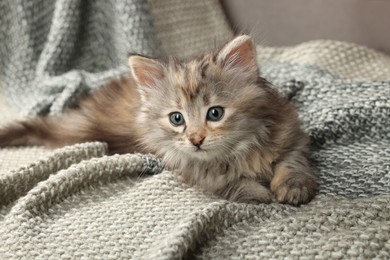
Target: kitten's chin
(202, 154)
(199, 152)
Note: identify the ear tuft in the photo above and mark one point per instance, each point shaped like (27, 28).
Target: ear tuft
(240, 53)
(146, 71)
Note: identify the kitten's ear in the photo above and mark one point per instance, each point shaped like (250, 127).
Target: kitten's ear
(146, 71)
(240, 54)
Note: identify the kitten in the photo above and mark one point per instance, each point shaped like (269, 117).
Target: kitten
(213, 120)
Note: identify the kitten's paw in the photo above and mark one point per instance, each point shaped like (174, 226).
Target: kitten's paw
(293, 188)
(247, 191)
(265, 197)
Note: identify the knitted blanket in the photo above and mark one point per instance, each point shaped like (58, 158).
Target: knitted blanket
(79, 203)
(57, 50)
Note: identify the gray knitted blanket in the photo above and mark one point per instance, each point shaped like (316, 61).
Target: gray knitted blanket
(59, 49)
(53, 51)
(79, 203)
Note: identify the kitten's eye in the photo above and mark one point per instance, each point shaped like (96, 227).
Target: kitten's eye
(215, 113)
(176, 118)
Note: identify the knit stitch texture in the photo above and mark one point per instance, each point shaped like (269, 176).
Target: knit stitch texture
(79, 203)
(57, 50)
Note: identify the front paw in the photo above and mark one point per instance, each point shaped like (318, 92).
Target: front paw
(247, 191)
(260, 197)
(293, 188)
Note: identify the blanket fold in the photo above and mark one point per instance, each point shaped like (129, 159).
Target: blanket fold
(56, 50)
(18, 183)
(42, 42)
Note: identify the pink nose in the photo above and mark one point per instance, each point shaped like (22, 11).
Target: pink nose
(197, 140)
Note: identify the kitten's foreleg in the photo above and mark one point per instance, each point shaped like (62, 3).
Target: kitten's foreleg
(294, 181)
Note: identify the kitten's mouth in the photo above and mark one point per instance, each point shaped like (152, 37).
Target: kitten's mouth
(196, 151)
(199, 150)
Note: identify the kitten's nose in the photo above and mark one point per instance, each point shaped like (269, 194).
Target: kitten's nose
(197, 139)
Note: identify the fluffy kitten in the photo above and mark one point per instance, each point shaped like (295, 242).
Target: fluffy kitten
(212, 120)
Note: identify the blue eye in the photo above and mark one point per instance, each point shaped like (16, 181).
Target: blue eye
(215, 113)
(176, 118)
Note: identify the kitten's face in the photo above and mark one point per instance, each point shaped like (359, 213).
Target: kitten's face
(201, 116)
(205, 108)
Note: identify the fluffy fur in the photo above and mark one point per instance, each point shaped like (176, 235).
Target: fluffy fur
(255, 152)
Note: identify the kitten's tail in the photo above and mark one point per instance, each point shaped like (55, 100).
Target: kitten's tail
(46, 131)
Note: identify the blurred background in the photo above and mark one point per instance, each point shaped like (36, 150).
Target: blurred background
(289, 22)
